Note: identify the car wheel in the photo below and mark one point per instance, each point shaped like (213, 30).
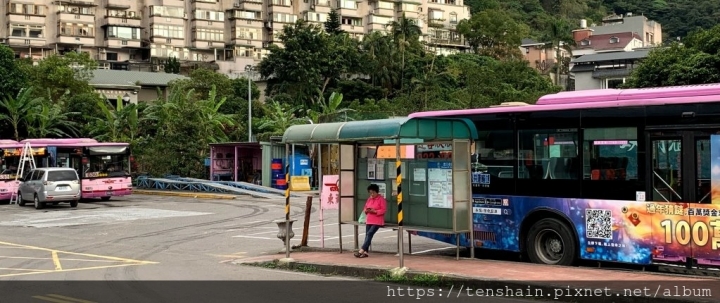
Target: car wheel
(21, 202)
(38, 204)
(74, 203)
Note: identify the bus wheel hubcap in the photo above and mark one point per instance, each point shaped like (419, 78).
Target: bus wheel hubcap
(549, 246)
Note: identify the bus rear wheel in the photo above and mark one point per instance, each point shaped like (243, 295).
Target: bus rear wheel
(551, 242)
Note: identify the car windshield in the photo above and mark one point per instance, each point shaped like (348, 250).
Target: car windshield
(61, 175)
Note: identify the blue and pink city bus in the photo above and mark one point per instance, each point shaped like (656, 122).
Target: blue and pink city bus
(629, 176)
(103, 167)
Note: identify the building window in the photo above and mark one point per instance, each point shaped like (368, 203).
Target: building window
(76, 10)
(284, 18)
(436, 14)
(610, 154)
(282, 2)
(209, 34)
(351, 4)
(614, 40)
(453, 18)
(26, 9)
(167, 31)
(26, 31)
(585, 42)
(409, 7)
(167, 11)
(209, 15)
(247, 33)
(247, 15)
(386, 5)
(74, 29)
(548, 154)
(315, 17)
(123, 32)
(614, 83)
(352, 21)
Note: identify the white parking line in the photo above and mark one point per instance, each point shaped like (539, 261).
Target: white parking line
(434, 249)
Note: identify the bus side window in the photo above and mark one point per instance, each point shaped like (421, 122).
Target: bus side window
(548, 154)
(610, 154)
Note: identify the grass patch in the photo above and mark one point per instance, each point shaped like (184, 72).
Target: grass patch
(427, 280)
(306, 268)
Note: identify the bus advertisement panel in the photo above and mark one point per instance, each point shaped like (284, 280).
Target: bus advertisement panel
(629, 176)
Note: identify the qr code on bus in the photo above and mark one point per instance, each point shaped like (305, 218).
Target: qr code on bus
(598, 223)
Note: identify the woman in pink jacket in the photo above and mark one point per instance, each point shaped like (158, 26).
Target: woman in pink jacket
(375, 217)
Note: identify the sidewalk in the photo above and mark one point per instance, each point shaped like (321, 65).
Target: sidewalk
(623, 286)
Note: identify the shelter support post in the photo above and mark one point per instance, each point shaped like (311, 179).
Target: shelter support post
(457, 246)
(409, 243)
(398, 165)
(287, 205)
(320, 188)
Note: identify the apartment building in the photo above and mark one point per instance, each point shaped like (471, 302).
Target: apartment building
(226, 35)
(649, 31)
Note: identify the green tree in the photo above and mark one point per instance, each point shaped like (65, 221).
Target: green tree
(494, 33)
(12, 78)
(65, 75)
(332, 24)
(278, 117)
(406, 34)
(18, 110)
(697, 62)
(50, 119)
(559, 38)
(172, 66)
(310, 59)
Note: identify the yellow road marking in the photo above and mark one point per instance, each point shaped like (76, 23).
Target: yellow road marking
(66, 270)
(56, 261)
(22, 269)
(50, 299)
(70, 298)
(64, 259)
(79, 254)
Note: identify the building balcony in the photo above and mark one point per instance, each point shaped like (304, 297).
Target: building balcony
(175, 42)
(447, 41)
(383, 12)
(167, 20)
(352, 28)
(77, 40)
(36, 19)
(121, 43)
(207, 24)
(280, 6)
(83, 3)
(322, 7)
(70, 17)
(205, 4)
(251, 5)
(26, 41)
(245, 18)
(348, 12)
(116, 4)
(134, 21)
(203, 44)
(376, 27)
(410, 14)
(436, 23)
(242, 41)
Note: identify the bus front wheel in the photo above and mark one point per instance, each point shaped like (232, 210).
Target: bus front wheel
(551, 242)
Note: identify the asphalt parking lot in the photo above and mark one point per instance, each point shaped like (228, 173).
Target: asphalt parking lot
(147, 237)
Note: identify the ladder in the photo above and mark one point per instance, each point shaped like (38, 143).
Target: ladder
(25, 157)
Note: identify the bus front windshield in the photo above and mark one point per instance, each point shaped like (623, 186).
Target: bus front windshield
(104, 166)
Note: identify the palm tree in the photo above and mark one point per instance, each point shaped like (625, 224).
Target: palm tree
(381, 52)
(329, 110)
(559, 38)
(214, 121)
(279, 118)
(19, 109)
(110, 126)
(405, 32)
(50, 119)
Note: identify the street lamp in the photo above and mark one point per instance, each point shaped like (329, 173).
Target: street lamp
(126, 99)
(249, 70)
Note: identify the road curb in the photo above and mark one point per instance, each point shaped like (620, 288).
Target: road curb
(183, 194)
(371, 272)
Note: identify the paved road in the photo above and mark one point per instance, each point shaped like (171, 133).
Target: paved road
(146, 238)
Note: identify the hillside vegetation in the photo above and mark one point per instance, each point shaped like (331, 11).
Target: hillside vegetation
(678, 17)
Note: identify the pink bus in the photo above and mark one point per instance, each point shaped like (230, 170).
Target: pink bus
(103, 167)
(9, 159)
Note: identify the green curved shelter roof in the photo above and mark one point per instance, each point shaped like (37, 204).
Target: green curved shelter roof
(419, 129)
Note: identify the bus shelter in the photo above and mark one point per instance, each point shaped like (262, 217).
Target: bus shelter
(428, 195)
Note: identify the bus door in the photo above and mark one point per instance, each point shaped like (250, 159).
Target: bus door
(678, 165)
(678, 169)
